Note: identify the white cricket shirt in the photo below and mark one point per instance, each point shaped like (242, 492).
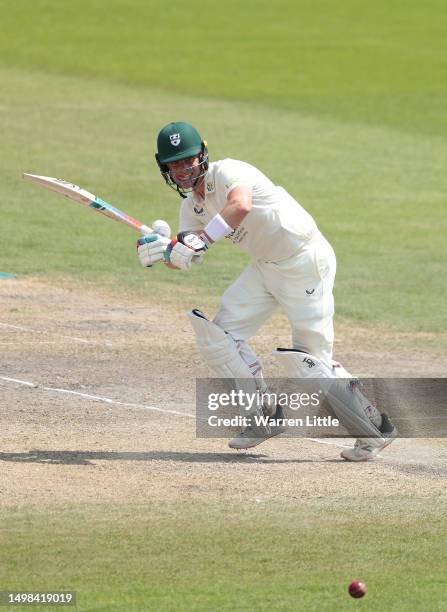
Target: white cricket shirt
(276, 227)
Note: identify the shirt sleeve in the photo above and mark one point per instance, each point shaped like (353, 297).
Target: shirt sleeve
(233, 173)
(188, 222)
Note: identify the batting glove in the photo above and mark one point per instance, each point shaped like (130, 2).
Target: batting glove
(151, 249)
(185, 250)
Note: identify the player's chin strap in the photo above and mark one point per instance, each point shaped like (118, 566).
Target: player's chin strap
(353, 409)
(223, 354)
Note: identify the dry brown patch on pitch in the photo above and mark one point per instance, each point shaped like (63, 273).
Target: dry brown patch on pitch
(60, 448)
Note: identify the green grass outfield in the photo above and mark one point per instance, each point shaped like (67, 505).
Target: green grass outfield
(344, 105)
(191, 556)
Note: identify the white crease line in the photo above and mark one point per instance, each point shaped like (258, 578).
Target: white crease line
(40, 331)
(328, 442)
(19, 382)
(108, 400)
(97, 398)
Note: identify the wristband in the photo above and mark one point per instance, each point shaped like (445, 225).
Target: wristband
(217, 228)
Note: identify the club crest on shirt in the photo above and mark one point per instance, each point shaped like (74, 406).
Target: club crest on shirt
(175, 139)
(210, 186)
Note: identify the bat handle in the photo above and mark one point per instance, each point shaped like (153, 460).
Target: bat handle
(145, 230)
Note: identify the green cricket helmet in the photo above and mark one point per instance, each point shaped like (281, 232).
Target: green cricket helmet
(177, 141)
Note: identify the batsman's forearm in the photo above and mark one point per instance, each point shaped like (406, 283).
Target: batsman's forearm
(224, 223)
(235, 211)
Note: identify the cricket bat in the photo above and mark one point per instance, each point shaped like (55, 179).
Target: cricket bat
(84, 197)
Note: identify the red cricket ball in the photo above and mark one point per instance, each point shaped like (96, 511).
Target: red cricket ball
(357, 588)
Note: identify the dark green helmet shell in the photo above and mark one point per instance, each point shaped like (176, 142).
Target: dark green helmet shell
(178, 141)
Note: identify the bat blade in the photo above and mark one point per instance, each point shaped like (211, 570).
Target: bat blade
(69, 190)
(81, 195)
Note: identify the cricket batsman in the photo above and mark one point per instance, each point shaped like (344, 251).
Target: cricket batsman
(291, 265)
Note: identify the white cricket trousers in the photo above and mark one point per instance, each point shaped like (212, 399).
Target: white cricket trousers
(302, 285)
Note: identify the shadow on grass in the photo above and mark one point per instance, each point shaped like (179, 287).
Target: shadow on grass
(86, 457)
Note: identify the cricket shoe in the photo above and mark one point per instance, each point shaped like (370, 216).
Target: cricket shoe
(253, 435)
(363, 451)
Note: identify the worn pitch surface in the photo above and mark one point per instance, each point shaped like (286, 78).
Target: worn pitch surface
(97, 404)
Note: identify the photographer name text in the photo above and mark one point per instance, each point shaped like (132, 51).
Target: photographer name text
(264, 421)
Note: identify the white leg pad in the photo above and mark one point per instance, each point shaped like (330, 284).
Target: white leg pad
(255, 366)
(353, 409)
(220, 351)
